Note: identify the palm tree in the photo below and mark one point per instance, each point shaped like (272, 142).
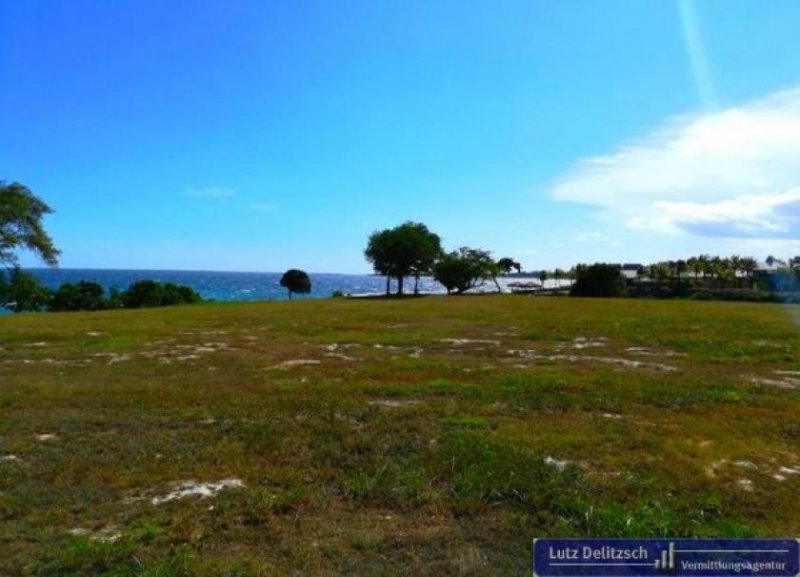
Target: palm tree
(694, 265)
(557, 274)
(735, 262)
(706, 267)
(749, 266)
(665, 270)
(680, 268)
(715, 268)
(727, 273)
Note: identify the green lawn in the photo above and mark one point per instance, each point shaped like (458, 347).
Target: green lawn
(431, 436)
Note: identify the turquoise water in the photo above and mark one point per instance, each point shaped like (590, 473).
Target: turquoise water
(231, 286)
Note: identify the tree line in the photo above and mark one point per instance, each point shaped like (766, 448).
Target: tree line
(411, 250)
(703, 277)
(22, 292)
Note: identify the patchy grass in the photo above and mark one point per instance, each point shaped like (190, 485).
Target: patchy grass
(380, 437)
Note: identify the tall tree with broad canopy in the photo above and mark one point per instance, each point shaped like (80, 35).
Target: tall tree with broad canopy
(465, 269)
(296, 281)
(409, 249)
(507, 264)
(21, 215)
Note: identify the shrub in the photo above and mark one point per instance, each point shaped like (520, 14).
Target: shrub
(22, 292)
(174, 294)
(142, 293)
(148, 293)
(748, 295)
(598, 280)
(83, 296)
(704, 295)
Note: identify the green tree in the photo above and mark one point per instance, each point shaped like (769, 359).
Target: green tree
(558, 274)
(379, 253)
(543, 277)
(405, 250)
(794, 265)
(21, 214)
(296, 281)
(661, 271)
(493, 270)
(175, 294)
(598, 280)
(149, 293)
(681, 267)
(736, 264)
(506, 265)
(464, 269)
(142, 294)
(83, 296)
(749, 266)
(719, 268)
(705, 265)
(22, 292)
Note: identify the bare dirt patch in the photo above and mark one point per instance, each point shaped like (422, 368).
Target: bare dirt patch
(292, 363)
(186, 489)
(393, 403)
(463, 342)
(779, 379)
(627, 363)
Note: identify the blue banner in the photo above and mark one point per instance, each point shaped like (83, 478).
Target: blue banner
(662, 557)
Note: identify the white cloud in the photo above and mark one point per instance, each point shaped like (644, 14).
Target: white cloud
(730, 174)
(210, 192)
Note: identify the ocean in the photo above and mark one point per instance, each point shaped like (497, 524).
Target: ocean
(232, 286)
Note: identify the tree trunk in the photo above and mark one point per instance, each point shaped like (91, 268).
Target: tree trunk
(416, 283)
(388, 284)
(400, 285)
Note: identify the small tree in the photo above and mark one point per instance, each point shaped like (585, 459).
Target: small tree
(542, 277)
(21, 215)
(464, 269)
(558, 274)
(296, 281)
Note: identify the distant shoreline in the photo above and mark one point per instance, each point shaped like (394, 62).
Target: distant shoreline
(259, 286)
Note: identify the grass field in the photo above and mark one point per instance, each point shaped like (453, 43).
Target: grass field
(431, 436)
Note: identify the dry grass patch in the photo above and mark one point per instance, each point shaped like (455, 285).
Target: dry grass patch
(406, 437)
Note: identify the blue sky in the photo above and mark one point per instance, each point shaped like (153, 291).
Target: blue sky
(267, 135)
